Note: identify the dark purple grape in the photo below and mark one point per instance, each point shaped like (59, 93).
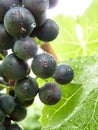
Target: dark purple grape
(14, 68)
(18, 114)
(24, 103)
(2, 127)
(36, 6)
(7, 121)
(6, 40)
(25, 48)
(26, 88)
(40, 19)
(2, 116)
(5, 5)
(14, 127)
(48, 31)
(50, 93)
(63, 74)
(53, 3)
(19, 22)
(43, 65)
(7, 103)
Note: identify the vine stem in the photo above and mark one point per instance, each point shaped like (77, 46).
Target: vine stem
(48, 48)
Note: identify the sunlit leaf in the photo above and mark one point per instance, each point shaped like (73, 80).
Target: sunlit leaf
(89, 26)
(78, 36)
(66, 44)
(78, 108)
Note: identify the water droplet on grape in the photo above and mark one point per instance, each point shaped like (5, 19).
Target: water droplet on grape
(25, 86)
(33, 25)
(45, 64)
(23, 6)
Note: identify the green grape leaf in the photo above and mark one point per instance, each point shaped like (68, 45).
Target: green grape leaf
(78, 36)
(89, 26)
(78, 107)
(66, 43)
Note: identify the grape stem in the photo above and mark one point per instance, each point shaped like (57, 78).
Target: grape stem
(5, 86)
(1, 56)
(48, 48)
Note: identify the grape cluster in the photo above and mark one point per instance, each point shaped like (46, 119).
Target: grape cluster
(21, 22)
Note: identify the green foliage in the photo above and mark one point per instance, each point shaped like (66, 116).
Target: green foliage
(77, 36)
(77, 109)
(77, 46)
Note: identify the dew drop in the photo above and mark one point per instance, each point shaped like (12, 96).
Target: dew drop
(45, 64)
(33, 25)
(23, 5)
(25, 86)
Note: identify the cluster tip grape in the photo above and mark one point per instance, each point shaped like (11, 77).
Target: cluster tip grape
(21, 23)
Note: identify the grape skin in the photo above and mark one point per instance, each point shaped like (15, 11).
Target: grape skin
(48, 31)
(2, 117)
(14, 68)
(63, 74)
(19, 22)
(36, 6)
(7, 103)
(5, 5)
(43, 65)
(6, 40)
(18, 114)
(50, 93)
(25, 48)
(26, 88)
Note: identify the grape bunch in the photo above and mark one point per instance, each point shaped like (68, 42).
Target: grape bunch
(21, 23)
